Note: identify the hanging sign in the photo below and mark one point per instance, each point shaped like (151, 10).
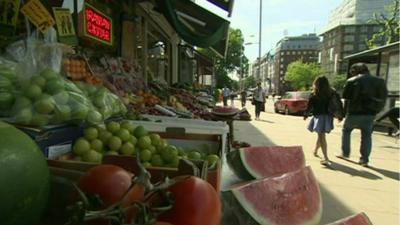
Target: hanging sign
(97, 25)
(38, 15)
(65, 25)
(8, 16)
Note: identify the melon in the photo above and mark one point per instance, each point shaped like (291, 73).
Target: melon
(357, 219)
(24, 178)
(292, 198)
(225, 111)
(264, 161)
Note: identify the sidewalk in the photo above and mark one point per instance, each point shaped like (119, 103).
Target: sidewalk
(346, 187)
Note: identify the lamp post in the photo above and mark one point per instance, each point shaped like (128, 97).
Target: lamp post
(259, 42)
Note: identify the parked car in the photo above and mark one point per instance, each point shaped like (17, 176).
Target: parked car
(292, 102)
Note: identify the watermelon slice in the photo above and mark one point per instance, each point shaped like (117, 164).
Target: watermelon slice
(225, 111)
(357, 219)
(290, 199)
(265, 161)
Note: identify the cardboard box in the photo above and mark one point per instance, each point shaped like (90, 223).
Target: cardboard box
(54, 141)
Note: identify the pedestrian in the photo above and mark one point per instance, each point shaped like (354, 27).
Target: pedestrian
(243, 96)
(233, 95)
(225, 95)
(259, 100)
(365, 96)
(321, 121)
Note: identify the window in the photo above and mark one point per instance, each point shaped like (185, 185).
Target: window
(282, 53)
(304, 52)
(362, 47)
(293, 53)
(364, 29)
(281, 65)
(377, 28)
(348, 47)
(281, 72)
(350, 29)
(349, 38)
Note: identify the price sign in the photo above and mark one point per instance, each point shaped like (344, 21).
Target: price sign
(8, 16)
(38, 15)
(97, 25)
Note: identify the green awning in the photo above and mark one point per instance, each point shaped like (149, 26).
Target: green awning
(196, 25)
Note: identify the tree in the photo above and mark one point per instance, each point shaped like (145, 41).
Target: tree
(337, 81)
(390, 25)
(301, 75)
(233, 60)
(249, 82)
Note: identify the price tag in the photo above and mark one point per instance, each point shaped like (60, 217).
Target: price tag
(8, 16)
(58, 150)
(38, 15)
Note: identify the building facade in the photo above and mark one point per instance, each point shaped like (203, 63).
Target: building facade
(348, 30)
(289, 49)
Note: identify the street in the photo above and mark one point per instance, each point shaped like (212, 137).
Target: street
(346, 187)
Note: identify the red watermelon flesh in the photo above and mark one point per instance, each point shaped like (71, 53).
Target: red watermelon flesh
(266, 161)
(290, 199)
(357, 219)
(220, 109)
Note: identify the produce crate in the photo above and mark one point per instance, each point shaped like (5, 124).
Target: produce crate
(54, 141)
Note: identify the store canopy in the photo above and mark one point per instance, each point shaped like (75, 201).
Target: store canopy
(226, 5)
(195, 25)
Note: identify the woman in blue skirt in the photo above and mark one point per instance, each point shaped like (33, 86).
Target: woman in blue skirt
(321, 121)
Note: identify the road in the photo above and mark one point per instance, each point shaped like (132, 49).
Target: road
(346, 187)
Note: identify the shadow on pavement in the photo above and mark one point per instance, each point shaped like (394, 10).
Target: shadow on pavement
(332, 209)
(387, 173)
(345, 169)
(261, 120)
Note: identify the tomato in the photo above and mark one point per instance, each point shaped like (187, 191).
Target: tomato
(195, 201)
(110, 183)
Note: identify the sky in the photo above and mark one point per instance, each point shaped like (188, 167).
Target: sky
(295, 17)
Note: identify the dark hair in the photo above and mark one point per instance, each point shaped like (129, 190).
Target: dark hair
(321, 86)
(359, 68)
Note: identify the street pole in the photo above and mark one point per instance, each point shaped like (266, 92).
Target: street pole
(259, 42)
(241, 69)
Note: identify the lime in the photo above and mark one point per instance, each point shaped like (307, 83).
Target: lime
(111, 153)
(61, 97)
(38, 80)
(212, 159)
(126, 124)
(92, 156)
(156, 160)
(54, 86)
(33, 91)
(166, 155)
(140, 131)
(81, 146)
(24, 116)
(155, 139)
(94, 117)
(21, 102)
(79, 112)
(96, 145)
(39, 119)
(45, 105)
(63, 113)
(104, 136)
(145, 155)
(194, 155)
(113, 126)
(114, 143)
(90, 133)
(132, 139)
(144, 142)
(147, 164)
(127, 149)
(48, 74)
(123, 134)
(152, 149)
(175, 161)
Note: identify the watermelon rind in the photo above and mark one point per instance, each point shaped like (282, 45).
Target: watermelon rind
(24, 178)
(243, 212)
(235, 162)
(357, 219)
(272, 161)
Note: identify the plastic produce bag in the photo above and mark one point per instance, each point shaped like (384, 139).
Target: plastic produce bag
(107, 103)
(8, 79)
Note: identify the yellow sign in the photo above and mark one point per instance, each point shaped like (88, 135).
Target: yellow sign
(8, 14)
(65, 25)
(38, 15)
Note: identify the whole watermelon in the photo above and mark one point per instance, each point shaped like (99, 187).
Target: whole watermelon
(24, 178)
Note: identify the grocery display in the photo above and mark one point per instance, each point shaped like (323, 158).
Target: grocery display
(264, 161)
(291, 198)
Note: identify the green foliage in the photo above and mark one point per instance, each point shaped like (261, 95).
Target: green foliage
(301, 75)
(390, 25)
(249, 82)
(337, 81)
(234, 60)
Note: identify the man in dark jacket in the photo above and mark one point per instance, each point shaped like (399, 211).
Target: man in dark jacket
(365, 95)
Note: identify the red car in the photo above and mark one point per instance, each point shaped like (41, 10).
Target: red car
(293, 102)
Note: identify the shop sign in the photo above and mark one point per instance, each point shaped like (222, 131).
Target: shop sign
(8, 16)
(38, 15)
(97, 25)
(65, 26)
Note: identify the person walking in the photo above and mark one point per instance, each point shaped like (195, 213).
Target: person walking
(233, 95)
(259, 100)
(225, 95)
(243, 96)
(365, 96)
(321, 121)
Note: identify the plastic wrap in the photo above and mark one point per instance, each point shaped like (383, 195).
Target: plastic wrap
(8, 79)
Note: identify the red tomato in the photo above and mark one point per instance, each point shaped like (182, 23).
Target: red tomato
(196, 203)
(110, 183)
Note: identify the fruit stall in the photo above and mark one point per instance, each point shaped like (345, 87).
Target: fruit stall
(100, 124)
